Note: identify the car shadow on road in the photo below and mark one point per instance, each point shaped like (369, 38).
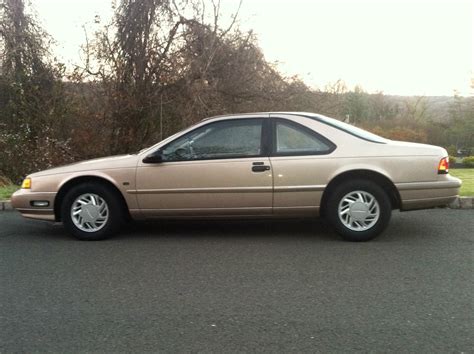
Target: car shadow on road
(400, 228)
(223, 228)
(300, 228)
(403, 227)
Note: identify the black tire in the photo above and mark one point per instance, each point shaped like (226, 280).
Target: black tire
(116, 215)
(332, 210)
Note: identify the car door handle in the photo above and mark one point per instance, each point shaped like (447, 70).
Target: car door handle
(260, 168)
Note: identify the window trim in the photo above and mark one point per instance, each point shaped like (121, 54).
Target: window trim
(298, 126)
(263, 141)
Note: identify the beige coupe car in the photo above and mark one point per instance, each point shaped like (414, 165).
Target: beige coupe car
(278, 165)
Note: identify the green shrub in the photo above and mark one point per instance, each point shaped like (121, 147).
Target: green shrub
(7, 191)
(4, 181)
(451, 150)
(452, 160)
(468, 161)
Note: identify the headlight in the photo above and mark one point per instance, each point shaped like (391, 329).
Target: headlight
(26, 183)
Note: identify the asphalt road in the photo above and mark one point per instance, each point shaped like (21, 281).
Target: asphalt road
(239, 286)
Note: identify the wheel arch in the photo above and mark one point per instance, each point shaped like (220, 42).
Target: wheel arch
(69, 184)
(365, 174)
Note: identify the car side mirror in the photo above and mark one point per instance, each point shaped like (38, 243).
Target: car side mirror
(155, 157)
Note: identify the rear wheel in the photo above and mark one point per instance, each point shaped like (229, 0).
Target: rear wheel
(359, 210)
(92, 212)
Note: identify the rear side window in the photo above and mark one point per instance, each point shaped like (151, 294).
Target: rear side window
(295, 139)
(348, 128)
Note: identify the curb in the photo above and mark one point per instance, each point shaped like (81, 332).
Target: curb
(5, 205)
(459, 203)
(463, 203)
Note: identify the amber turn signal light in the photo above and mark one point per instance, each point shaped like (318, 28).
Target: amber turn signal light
(26, 183)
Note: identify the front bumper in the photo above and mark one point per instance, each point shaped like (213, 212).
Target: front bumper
(424, 195)
(22, 199)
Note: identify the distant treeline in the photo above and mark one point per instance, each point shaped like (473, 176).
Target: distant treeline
(161, 65)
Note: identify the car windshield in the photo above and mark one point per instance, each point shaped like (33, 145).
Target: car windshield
(360, 133)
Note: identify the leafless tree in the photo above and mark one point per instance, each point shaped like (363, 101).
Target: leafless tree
(33, 109)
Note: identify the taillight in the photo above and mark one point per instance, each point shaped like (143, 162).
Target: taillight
(443, 167)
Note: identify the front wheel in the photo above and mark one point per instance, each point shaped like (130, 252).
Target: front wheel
(92, 212)
(359, 210)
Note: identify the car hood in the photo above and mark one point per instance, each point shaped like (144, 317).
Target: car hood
(103, 163)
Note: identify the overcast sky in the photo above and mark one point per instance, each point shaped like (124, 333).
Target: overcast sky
(406, 47)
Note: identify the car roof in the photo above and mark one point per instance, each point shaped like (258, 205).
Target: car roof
(263, 114)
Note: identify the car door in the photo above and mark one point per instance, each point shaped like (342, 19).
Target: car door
(220, 168)
(299, 159)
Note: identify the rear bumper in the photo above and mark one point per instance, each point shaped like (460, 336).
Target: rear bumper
(424, 195)
(22, 199)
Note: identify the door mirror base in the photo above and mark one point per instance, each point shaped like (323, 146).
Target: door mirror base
(155, 157)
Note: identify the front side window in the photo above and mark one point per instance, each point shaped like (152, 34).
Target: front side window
(219, 140)
(293, 139)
